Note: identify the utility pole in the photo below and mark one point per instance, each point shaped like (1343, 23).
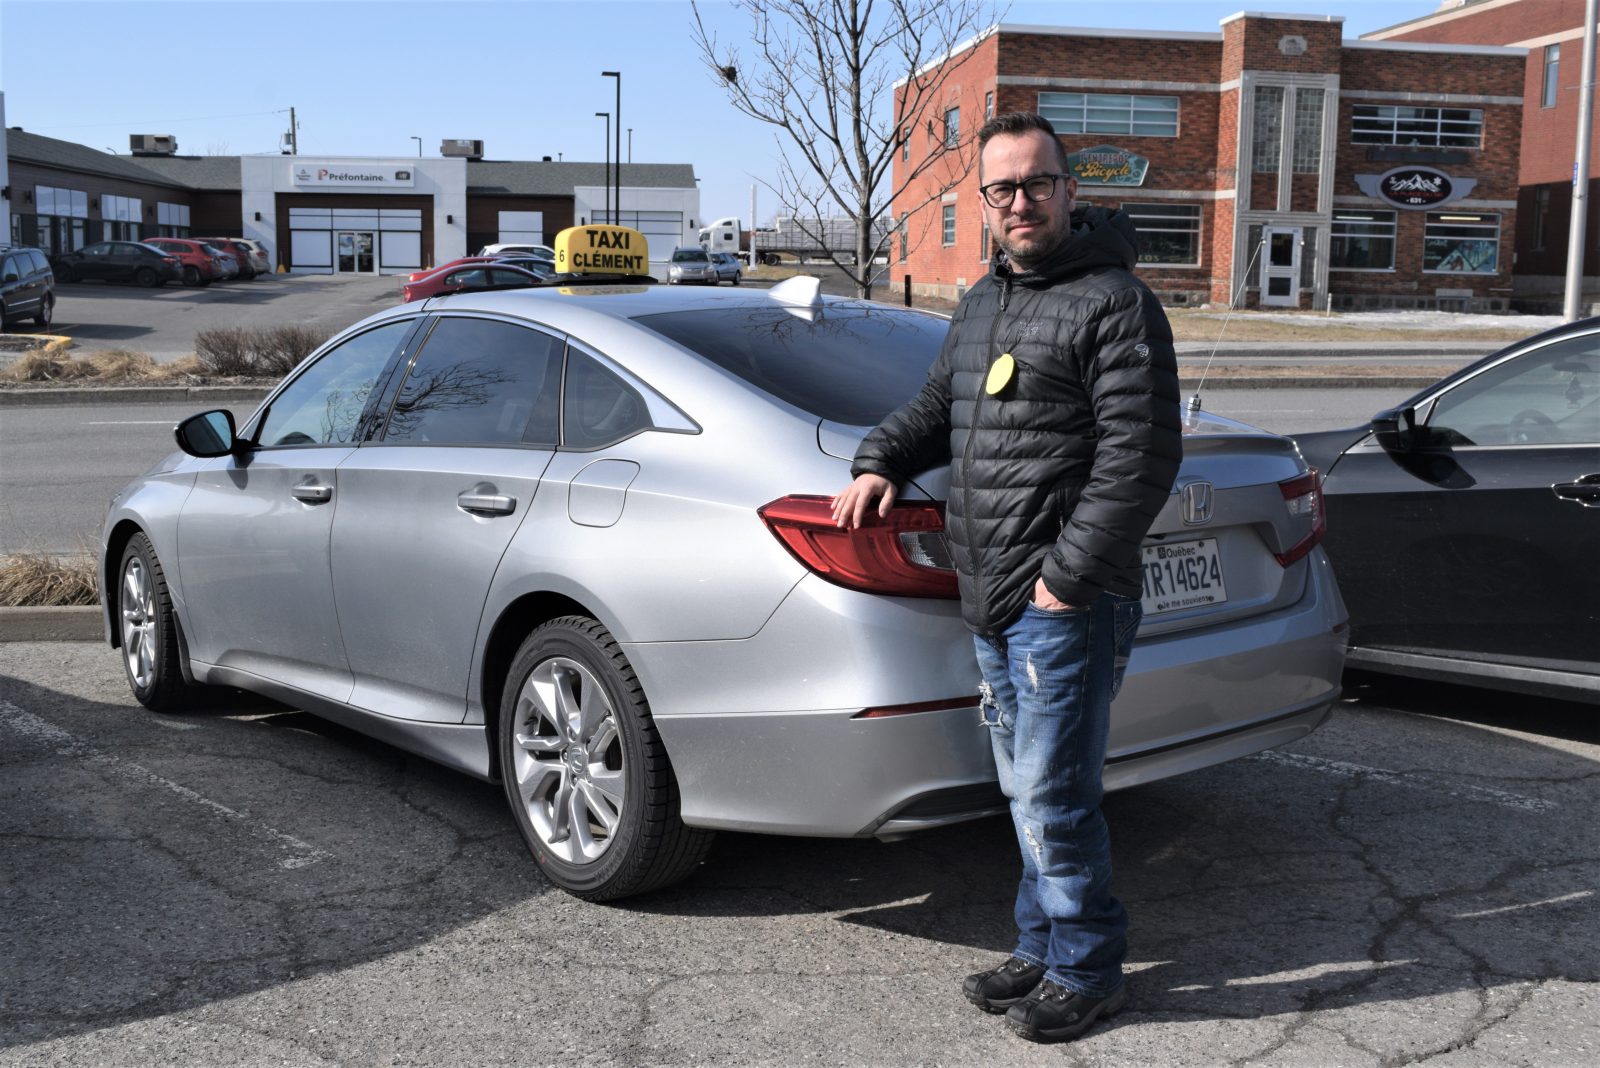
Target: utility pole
(617, 74)
(1580, 170)
(630, 144)
(752, 228)
(294, 136)
(610, 218)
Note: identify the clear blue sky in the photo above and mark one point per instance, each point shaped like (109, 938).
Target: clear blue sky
(364, 77)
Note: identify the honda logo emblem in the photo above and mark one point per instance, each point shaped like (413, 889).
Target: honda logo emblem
(1195, 498)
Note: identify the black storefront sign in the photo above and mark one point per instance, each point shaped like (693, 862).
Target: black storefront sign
(1415, 187)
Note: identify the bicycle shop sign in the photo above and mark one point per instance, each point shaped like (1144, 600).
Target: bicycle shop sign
(344, 176)
(1415, 187)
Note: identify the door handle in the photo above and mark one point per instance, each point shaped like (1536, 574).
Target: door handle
(312, 493)
(1585, 491)
(487, 503)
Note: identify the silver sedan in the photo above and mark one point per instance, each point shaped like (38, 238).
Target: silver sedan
(577, 539)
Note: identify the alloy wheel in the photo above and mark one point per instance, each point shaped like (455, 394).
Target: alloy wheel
(139, 636)
(568, 760)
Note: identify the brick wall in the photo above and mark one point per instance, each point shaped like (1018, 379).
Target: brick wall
(1492, 24)
(1254, 45)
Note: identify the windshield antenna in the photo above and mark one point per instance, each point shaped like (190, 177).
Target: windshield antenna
(1193, 404)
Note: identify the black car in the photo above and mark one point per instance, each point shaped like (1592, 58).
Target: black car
(27, 286)
(533, 264)
(118, 261)
(1464, 525)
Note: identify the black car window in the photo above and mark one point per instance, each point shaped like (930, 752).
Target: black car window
(480, 381)
(11, 266)
(1550, 396)
(850, 364)
(97, 250)
(472, 277)
(600, 408)
(323, 405)
(508, 278)
(39, 262)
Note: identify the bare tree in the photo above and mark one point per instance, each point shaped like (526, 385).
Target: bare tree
(847, 83)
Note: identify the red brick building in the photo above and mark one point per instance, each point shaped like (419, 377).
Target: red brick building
(1275, 160)
(1552, 32)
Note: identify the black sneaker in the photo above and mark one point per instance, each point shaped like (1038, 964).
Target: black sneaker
(997, 989)
(1052, 1013)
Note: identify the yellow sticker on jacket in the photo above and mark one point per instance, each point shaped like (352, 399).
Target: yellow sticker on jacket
(1000, 373)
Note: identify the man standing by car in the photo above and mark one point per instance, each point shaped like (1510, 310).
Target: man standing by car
(1055, 398)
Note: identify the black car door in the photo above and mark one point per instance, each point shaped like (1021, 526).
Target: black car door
(13, 285)
(94, 261)
(1478, 540)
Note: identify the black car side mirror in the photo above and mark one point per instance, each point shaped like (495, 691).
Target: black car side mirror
(10, 278)
(207, 434)
(1396, 429)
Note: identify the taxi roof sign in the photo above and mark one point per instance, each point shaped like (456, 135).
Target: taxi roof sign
(602, 249)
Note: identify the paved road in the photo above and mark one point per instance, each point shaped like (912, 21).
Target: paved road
(249, 885)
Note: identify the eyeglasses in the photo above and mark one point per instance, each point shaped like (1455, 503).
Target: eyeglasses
(1039, 188)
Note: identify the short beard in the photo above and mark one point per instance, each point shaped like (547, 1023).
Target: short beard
(1034, 251)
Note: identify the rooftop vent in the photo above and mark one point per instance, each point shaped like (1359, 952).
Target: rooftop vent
(461, 148)
(152, 144)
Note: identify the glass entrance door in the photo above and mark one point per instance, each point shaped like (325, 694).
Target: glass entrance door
(354, 252)
(1280, 266)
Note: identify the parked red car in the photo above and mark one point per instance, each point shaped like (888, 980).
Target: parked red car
(417, 276)
(240, 253)
(198, 266)
(474, 276)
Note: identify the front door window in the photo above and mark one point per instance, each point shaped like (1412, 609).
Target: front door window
(355, 251)
(1280, 266)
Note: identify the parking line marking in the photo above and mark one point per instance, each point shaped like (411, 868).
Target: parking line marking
(1578, 895)
(302, 854)
(1413, 780)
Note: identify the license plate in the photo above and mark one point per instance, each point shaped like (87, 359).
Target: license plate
(1182, 574)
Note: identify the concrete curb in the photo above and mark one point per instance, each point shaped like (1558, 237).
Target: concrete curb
(77, 624)
(199, 395)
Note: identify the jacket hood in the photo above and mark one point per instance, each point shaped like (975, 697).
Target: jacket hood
(1101, 237)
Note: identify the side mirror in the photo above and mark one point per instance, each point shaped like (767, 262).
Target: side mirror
(207, 434)
(1396, 429)
(9, 277)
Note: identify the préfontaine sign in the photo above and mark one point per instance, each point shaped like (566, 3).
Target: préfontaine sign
(347, 175)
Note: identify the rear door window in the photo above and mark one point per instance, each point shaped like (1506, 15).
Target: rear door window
(601, 409)
(849, 364)
(480, 382)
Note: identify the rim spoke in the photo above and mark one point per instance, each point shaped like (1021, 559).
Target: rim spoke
(599, 804)
(609, 785)
(568, 705)
(582, 837)
(539, 743)
(534, 782)
(561, 811)
(602, 739)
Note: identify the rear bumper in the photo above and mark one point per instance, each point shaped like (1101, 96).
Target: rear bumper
(750, 755)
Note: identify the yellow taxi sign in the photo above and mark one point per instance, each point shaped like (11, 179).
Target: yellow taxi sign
(602, 249)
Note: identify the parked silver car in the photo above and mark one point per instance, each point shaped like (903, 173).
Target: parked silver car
(578, 539)
(729, 267)
(691, 265)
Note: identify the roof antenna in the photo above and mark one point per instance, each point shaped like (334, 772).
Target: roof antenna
(1193, 405)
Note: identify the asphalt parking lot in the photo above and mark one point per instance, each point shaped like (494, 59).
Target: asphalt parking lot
(1417, 882)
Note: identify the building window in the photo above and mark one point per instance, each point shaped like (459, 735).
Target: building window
(949, 224)
(983, 245)
(172, 220)
(1307, 131)
(1111, 113)
(1459, 243)
(1362, 241)
(1552, 76)
(988, 105)
(952, 128)
(905, 143)
(1169, 234)
(1393, 124)
(903, 241)
(1267, 139)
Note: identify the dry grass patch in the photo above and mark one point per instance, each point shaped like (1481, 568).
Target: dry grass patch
(1193, 324)
(34, 580)
(264, 352)
(108, 367)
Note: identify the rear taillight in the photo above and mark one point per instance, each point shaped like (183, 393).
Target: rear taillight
(1303, 495)
(903, 555)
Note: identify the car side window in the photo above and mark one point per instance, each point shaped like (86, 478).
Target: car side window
(323, 405)
(1549, 396)
(10, 267)
(482, 382)
(600, 408)
(39, 262)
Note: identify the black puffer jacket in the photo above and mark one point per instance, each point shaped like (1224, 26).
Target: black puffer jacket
(1063, 471)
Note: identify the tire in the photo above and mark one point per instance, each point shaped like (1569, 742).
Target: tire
(146, 277)
(596, 755)
(149, 631)
(737, 277)
(191, 275)
(46, 310)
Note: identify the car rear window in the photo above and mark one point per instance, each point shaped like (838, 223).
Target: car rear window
(850, 364)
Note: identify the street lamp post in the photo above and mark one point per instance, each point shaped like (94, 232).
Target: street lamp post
(418, 140)
(630, 144)
(607, 116)
(617, 74)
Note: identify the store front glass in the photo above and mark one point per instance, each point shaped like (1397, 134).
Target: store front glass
(355, 252)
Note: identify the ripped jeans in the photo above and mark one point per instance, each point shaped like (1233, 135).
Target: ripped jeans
(1048, 681)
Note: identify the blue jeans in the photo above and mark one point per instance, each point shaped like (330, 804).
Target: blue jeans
(1048, 681)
